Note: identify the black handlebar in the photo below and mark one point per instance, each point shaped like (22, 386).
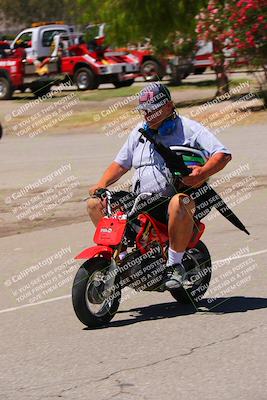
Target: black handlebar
(101, 192)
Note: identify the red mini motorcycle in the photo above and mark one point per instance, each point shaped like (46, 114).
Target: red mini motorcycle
(131, 252)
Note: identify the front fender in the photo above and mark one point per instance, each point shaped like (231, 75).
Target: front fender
(91, 252)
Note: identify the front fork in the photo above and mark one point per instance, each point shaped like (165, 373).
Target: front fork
(113, 271)
(110, 278)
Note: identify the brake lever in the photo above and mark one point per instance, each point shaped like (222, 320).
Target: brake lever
(101, 193)
(98, 194)
(87, 198)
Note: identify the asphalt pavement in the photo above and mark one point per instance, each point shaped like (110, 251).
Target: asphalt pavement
(154, 348)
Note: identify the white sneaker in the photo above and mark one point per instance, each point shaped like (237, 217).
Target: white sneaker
(176, 277)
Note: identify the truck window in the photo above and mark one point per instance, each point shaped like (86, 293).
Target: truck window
(48, 36)
(25, 38)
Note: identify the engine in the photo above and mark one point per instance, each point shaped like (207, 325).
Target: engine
(143, 271)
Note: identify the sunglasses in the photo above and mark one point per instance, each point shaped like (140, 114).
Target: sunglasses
(150, 112)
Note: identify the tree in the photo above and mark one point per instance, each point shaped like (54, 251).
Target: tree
(211, 27)
(238, 26)
(133, 20)
(248, 31)
(28, 11)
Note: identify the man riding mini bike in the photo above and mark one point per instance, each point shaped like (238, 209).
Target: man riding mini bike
(159, 224)
(152, 174)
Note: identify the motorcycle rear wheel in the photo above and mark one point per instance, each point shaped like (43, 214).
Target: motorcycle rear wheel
(91, 307)
(197, 263)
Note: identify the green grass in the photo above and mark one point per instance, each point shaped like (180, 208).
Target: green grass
(103, 94)
(236, 82)
(107, 94)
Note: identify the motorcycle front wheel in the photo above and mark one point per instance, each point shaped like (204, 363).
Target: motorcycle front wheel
(93, 303)
(197, 263)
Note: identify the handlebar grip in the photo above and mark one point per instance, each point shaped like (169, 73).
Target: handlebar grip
(101, 192)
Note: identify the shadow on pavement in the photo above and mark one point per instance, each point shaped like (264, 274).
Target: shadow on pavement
(226, 305)
(151, 312)
(222, 305)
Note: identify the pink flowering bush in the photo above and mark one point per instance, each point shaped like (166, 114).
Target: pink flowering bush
(247, 30)
(211, 24)
(237, 25)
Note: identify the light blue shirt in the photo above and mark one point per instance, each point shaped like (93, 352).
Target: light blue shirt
(150, 167)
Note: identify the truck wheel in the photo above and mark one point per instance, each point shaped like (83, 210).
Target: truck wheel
(199, 71)
(151, 71)
(6, 89)
(119, 84)
(85, 79)
(186, 74)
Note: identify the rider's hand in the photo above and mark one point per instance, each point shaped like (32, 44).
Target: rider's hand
(196, 178)
(94, 188)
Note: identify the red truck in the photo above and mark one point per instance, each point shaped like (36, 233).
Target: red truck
(86, 65)
(16, 73)
(153, 67)
(89, 68)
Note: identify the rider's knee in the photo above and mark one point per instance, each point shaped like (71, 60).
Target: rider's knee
(94, 205)
(182, 204)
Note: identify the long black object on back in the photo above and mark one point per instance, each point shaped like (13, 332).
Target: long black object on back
(175, 163)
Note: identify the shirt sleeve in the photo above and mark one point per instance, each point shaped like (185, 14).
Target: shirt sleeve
(204, 139)
(125, 155)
